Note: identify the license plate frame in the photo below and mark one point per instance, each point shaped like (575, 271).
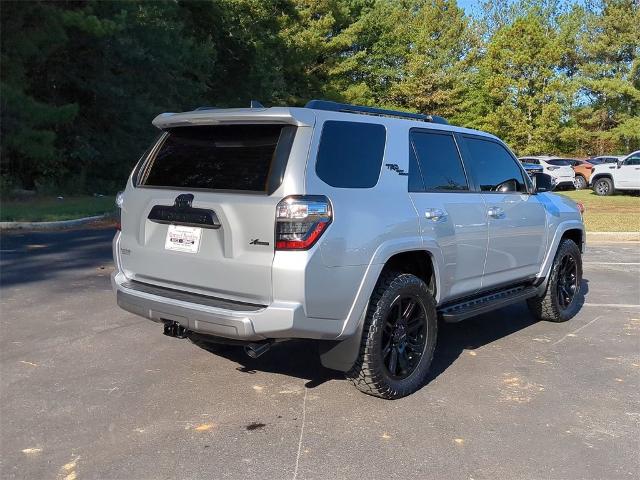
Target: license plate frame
(181, 238)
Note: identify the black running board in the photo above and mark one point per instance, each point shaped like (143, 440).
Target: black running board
(485, 303)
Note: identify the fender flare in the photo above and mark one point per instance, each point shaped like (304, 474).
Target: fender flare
(342, 353)
(561, 229)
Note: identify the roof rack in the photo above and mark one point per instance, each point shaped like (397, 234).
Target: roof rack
(381, 112)
(252, 104)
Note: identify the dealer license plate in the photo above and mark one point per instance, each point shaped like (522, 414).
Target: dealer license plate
(183, 239)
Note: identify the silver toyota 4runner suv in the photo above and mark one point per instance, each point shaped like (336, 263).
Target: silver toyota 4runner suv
(355, 226)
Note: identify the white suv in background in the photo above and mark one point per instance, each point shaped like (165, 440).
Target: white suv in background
(560, 169)
(623, 175)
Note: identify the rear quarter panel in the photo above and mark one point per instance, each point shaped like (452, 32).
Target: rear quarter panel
(365, 218)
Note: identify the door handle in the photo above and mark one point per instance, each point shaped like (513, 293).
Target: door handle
(496, 212)
(435, 214)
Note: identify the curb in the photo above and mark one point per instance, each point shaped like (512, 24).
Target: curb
(52, 225)
(604, 237)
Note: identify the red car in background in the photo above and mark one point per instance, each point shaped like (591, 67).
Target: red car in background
(583, 170)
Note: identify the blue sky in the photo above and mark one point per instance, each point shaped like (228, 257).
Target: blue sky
(467, 5)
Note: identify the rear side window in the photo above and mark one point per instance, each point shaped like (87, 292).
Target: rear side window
(350, 154)
(493, 167)
(221, 157)
(435, 163)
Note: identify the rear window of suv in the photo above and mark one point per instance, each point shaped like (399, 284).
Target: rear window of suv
(350, 154)
(221, 157)
(560, 162)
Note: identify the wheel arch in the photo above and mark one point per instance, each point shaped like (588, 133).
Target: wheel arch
(416, 262)
(572, 229)
(409, 258)
(598, 176)
(575, 234)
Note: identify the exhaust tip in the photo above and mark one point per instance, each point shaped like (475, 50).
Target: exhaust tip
(255, 350)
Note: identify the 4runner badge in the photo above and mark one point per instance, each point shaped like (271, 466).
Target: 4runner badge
(257, 241)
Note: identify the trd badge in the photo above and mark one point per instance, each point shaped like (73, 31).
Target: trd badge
(395, 168)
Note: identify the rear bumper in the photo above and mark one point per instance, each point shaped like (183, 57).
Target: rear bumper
(564, 182)
(218, 317)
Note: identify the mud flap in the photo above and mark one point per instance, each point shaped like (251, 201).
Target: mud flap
(341, 355)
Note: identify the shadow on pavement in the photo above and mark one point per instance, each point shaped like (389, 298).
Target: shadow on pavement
(299, 358)
(27, 257)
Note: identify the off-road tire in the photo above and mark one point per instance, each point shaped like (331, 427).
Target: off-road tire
(369, 373)
(581, 182)
(603, 186)
(547, 307)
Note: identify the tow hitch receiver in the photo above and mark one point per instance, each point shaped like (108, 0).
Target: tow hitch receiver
(174, 329)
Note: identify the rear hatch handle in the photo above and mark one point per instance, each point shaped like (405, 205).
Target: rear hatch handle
(183, 213)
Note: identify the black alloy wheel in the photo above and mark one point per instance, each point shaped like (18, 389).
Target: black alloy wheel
(563, 296)
(399, 337)
(567, 285)
(404, 336)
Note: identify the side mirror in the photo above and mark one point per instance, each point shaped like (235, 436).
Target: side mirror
(619, 162)
(542, 182)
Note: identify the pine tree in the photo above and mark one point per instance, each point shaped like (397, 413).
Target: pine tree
(609, 75)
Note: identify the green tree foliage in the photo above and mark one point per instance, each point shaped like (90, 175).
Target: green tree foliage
(81, 81)
(609, 76)
(29, 123)
(526, 101)
(439, 56)
(87, 84)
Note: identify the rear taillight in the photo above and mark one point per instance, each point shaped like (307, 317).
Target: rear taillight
(301, 220)
(119, 202)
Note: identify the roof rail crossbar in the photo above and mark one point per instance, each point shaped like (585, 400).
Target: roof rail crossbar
(345, 107)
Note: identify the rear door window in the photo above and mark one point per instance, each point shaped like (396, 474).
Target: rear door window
(350, 154)
(493, 167)
(221, 157)
(435, 163)
(633, 159)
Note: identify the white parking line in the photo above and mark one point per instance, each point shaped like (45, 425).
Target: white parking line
(612, 305)
(301, 439)
(576, 331)
(611, 263)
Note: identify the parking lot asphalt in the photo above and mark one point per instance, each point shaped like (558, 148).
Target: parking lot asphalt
(90, 391)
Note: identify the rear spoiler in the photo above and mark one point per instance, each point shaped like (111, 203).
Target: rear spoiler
(293, 116)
